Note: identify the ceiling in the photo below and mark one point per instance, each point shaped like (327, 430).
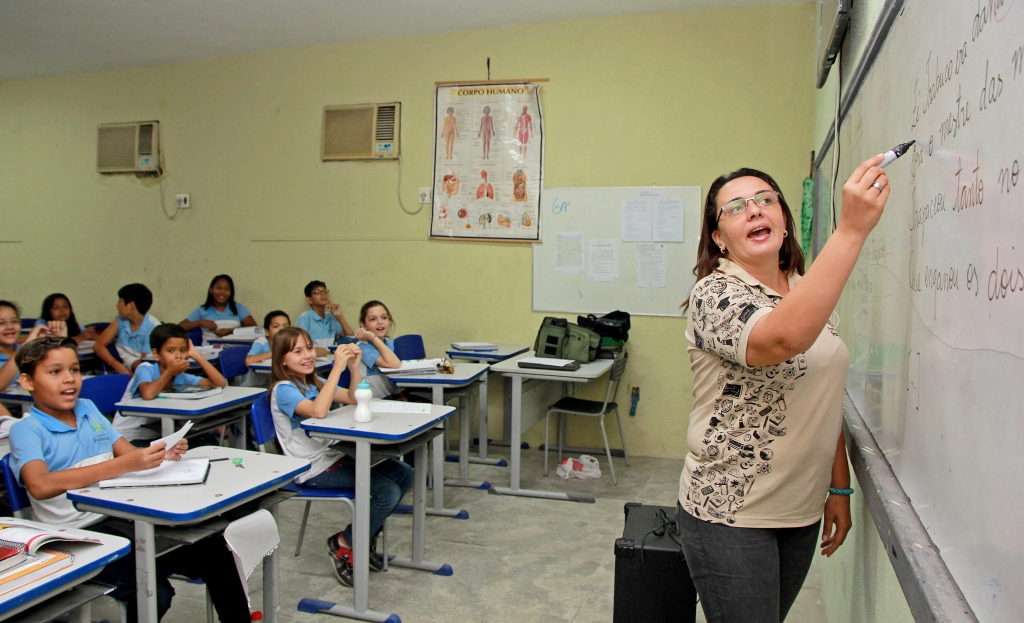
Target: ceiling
(53, 37)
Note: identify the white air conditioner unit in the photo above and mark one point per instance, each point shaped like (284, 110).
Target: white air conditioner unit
(129, 148)
(361, 132)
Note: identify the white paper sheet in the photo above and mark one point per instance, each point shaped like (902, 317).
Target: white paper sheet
(604, 260)
(250, 539)
(397, 406)
(172, 439)
(653, 191)
(636, 220)
(651, 265)
(668, 220)
(569, 253)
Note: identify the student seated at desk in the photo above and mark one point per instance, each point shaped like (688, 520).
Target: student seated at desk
(272, 323)
(130, 330)
(68, 444)
(10, 331)
(57, 308)
(220, 306)
(172, 350)
(377, 348)
(297, 393)
(323, 327)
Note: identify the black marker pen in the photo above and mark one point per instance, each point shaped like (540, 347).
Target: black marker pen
(890, 156)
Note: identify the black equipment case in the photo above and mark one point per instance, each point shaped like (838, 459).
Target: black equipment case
(652, 581)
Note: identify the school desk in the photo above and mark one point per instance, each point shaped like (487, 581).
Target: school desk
(322, 364)
(15, 395)
(465, 374)
(227, 486)
(503, 352)
(233, 340)
(520, 421)
(387, 433)
(170, 409)
(68, 589)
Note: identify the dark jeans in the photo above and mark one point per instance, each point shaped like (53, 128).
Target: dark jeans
(208, 560)
(389, 482)
(746, 575)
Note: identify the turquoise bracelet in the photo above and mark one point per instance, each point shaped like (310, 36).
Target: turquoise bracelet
(834, 491)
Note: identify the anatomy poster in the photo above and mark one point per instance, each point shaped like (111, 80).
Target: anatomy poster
(488, 162)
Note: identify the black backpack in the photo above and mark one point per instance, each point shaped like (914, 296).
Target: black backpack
(614, 325)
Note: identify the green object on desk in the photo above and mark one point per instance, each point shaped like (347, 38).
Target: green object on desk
(237, 462)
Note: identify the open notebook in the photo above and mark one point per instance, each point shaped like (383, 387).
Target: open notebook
(413, 366)
(190, 392)
(188, 471)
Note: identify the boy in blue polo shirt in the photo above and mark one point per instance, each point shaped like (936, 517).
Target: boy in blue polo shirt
(66, 443)
(172, 350)
(130, 329)
(321, 326)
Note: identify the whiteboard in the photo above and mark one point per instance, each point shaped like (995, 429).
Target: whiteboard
(933, 311)
(597, 214)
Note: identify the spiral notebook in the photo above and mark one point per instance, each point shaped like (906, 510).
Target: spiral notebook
(188, 471)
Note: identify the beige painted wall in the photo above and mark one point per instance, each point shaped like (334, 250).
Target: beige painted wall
(858, 582)
(674, 98)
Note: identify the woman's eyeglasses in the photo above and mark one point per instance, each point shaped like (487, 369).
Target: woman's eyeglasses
(762, 199)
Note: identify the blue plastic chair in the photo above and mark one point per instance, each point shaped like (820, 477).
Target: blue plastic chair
(263, 431)
(17, 495)
(28, 323)
(112, 349)
(410, 347)
(196, 335)
(232, 361)
(105, 391)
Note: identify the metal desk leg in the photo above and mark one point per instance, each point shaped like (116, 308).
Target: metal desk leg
(482, 443)
(271, 573)
(81, 614)
(464, 433)
(360, 551)
(437, 478)
(513, 489)
(145, 571)
(419, 493)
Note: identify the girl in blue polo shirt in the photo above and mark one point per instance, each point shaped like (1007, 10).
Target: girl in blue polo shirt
(220, 314)
(10, 329)
(57, 307)
(297, 393)
(378, 349)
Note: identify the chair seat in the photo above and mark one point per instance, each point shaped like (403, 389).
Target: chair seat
(312, 492)
(581, 407)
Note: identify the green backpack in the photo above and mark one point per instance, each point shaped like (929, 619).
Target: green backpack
(560, 339)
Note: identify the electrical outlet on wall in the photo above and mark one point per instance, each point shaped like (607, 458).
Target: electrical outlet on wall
(424, 195)
(182, 201)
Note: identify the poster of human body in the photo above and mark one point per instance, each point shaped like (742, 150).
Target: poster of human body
(488, 162)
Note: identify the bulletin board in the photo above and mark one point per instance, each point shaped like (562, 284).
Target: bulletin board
(628, 248)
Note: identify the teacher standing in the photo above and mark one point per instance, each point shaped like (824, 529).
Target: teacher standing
(767, 459)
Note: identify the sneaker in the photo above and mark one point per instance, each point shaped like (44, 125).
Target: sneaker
(342, 559)
(375, 561)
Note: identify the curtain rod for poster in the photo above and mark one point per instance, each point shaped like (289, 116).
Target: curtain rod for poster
(516, 81)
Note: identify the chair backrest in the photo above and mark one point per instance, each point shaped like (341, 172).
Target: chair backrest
(196, 335)
(618, 369)
(28, 323)
(232, 361)
(262, 422)
(105, 391)
(17, 495)
(409, 347)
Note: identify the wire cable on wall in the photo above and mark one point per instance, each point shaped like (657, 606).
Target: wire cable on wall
(835, 149)
(402, 205)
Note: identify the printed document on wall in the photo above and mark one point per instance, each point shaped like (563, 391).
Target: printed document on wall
(651, 266)
(569, 252)
(603, 260)
(668, 220)
(636, 220)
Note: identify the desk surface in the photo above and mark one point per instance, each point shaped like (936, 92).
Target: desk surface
(505, 351)
(15, 393)
(226, 486)
(465, 373)
(234, 339)
(89, 560)
(385, 427)
(263, 367)
(230, 397)
(586, 372)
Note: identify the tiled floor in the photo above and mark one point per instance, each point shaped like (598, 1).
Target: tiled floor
(516, 560)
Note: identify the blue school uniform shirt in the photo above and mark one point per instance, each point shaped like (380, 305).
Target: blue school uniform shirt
(137, 340)
(211, 313)
(259, 347)
(42, 437)
(133, 427)
(284, 397)
(319, 328)
(42, 322)
(4, 359)
(380, 384)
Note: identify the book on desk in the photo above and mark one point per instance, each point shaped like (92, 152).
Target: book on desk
(545, 363)
(186, 471)
(27, 554)
(190, 392)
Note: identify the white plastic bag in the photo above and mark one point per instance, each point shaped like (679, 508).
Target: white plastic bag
(584, 467)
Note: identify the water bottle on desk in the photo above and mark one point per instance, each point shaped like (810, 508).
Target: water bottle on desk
(363, 394)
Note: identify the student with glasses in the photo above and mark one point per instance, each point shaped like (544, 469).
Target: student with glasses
(324, 321)
(767, 460)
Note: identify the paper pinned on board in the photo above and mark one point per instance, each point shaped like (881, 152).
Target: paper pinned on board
(651, 266)
(250, 539)
(569, 252)
(636, 220)
(603, 260)
(668, 220)
(173, 439)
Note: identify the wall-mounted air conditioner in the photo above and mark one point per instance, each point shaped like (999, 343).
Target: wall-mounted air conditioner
(361, 132)
(129, 148)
